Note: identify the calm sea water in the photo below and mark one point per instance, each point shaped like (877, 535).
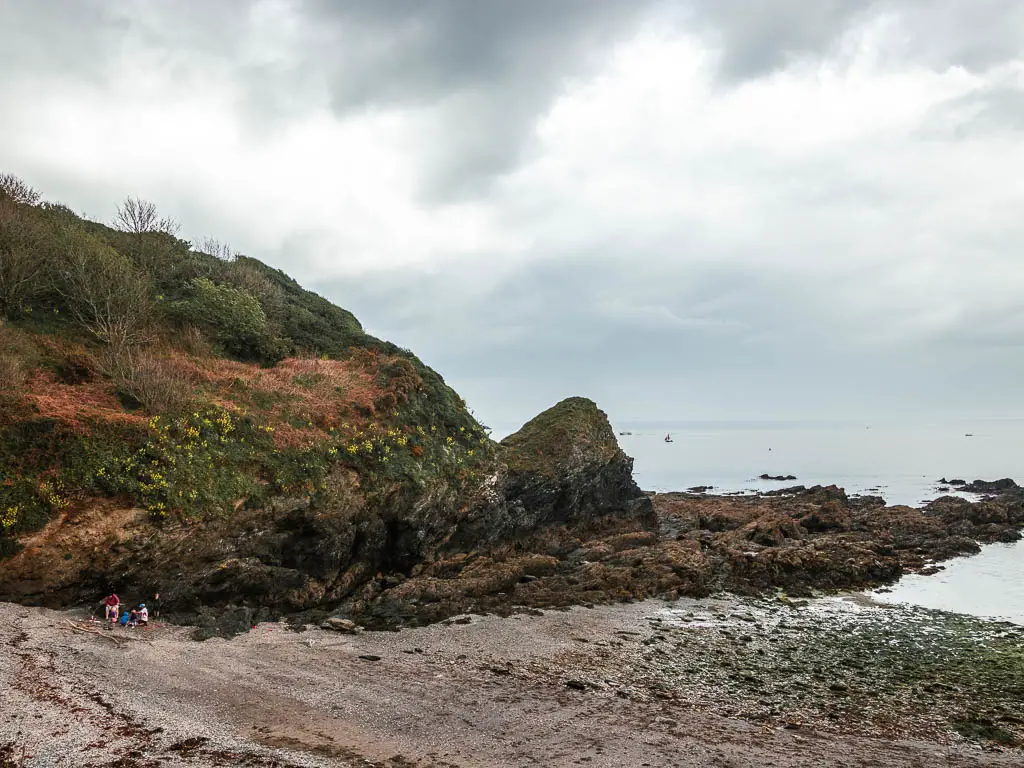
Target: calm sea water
(899, 462)
(988, 584)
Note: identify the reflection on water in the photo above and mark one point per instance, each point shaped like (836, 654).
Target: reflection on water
(988, 584)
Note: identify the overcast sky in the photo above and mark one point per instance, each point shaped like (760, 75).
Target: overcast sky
(691, 209)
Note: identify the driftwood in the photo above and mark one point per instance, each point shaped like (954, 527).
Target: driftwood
(116, 639)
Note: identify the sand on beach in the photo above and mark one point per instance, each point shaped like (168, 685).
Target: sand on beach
(557, 689)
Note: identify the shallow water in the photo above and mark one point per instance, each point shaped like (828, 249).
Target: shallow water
(989, 584)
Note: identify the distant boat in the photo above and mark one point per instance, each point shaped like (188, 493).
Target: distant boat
(969, 434)
(668, 438)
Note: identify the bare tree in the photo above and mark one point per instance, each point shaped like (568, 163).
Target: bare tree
(214, 247)
(106, 294)
(140, 216)
(21, 277)
(152, 379)
(23, 263)
(16, 189)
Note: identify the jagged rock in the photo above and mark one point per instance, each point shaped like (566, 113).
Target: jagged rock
(565, 467)
(988, 486)
(830, 516)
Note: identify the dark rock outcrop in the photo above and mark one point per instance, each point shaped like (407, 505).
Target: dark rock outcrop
(391, 557)
(1005, 485)
(566, 468)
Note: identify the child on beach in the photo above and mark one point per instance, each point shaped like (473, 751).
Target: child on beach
(139, 616)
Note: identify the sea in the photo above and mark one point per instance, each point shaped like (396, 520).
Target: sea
(901, 462)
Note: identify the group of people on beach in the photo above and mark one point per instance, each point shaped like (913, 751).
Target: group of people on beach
(132, 617)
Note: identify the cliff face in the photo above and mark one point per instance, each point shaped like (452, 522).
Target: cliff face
(378, 552)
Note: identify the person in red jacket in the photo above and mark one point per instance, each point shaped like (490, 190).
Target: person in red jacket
(113, 605)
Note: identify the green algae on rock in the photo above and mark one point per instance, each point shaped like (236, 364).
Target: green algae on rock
(838, 664)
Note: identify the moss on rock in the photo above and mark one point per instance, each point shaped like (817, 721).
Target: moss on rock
(563, 438)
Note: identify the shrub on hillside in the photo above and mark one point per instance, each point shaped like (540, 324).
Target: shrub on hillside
(17, 356)
(150, 380)
(23, 258)
(17, 190)
(105, 293)
(195, 465)
(243, 273)
(233, 318)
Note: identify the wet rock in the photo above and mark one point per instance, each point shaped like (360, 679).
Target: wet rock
(830, 516)
(988, 486)
(776, 477)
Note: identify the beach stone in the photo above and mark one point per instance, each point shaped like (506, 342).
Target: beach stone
(338, 624)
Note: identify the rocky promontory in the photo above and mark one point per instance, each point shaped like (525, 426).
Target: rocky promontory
(416, 553)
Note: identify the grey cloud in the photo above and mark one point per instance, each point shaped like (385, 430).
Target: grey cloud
(492, 67)
(61, 37)
(996, 108)
(483, 70)
(477, 74)
(761, 37)
(751, 341)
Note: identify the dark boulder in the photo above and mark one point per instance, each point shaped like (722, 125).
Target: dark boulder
(1004, 485)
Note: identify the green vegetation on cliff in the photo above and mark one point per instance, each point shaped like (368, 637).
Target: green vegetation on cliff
(555, 440)
(190, 380)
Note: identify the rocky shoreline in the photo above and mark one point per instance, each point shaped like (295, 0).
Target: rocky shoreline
(557, 520)
(795, 539)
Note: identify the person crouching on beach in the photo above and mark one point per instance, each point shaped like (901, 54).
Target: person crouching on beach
(112, 603)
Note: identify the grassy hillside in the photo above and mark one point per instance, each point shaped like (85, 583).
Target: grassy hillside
(135, 364)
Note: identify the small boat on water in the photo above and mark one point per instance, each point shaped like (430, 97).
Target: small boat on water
(668, 438)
